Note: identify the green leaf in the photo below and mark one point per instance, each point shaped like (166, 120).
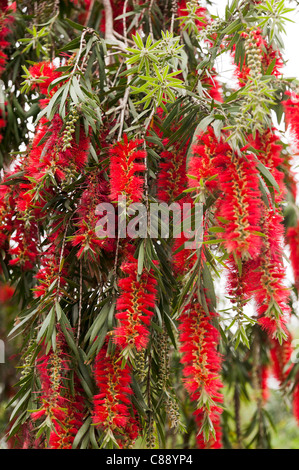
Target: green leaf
(267, 175)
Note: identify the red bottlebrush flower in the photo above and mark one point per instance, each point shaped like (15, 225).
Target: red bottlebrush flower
(86, 238)
(270, 155)
(292, 238)
(113, 402)
(6, 20)
(65, 411)
(123, 169)
(47, 274)
(24, 247)
(280, 355)
(289, 176)
(69, 421)
(2, 122)
(131, 431)
(42, 75)
(291, 109)
(202, 363)
(18, 232)
(237, 281)
(266, 277)
(207, 161)
(51, 157)
(238, 208)
(6, 292)
(134, 306)
(7, 212)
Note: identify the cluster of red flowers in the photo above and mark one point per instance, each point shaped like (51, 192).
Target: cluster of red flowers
(18, 233)
(213, 168)
(125, 161)
(296, 400)
(65, 411)
(267, 278)
(291, 109)
(86, 238)
(202, 365)
(270, 148)
(48, 156)
(238, 206)
(293, 241)
(42, 74)
(280, 355)
(113, 410)
(206, 160)
(243, 215)
(134, 306)
(6, 292)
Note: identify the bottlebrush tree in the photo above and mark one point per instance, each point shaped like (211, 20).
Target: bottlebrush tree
(120, 340)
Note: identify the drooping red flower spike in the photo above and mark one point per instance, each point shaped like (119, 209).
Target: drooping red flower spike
(202, 364)
(65, 411)
(207, 161)
(134, 307)
(42, 74)
(126, 161)
(280, 356)
(296, 400)
(270, 155)
(51, 158)
(238, 207)
(86, 237)
(291, 109)
(113, 411)
(267, 279)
